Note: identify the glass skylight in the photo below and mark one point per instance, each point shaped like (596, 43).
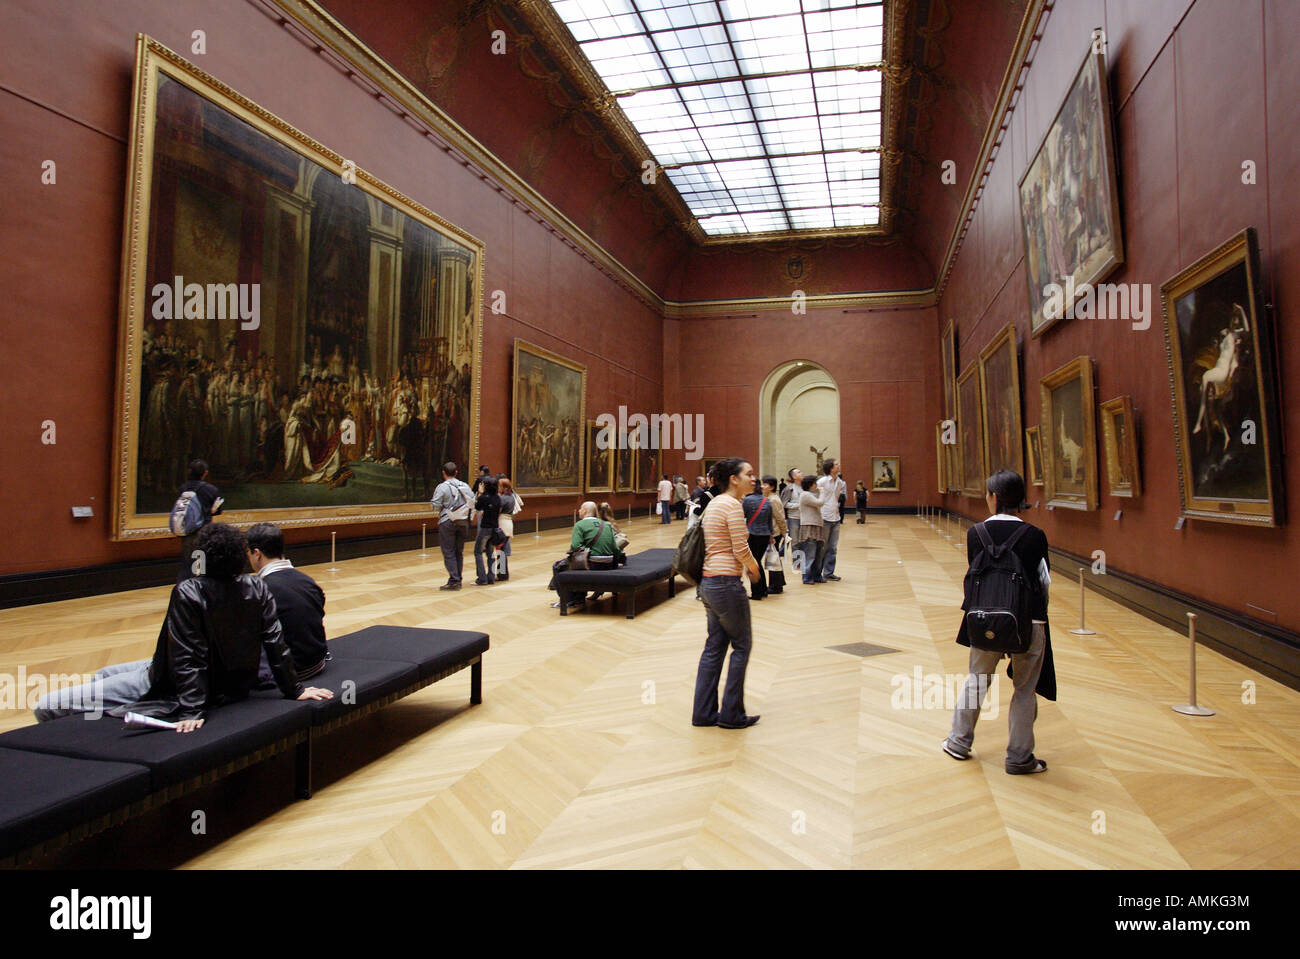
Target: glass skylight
(765, 114)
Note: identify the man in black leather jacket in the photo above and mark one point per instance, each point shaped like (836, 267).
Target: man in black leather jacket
(208, 648)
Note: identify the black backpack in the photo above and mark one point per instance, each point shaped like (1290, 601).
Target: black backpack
(997, 597)
(688, 561)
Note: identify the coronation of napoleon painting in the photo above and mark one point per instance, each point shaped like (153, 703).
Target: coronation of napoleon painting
(313, 342)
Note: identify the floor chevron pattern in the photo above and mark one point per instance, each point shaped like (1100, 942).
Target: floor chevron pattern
(582, 755)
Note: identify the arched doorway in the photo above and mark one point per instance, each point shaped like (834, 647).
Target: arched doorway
(799, 407)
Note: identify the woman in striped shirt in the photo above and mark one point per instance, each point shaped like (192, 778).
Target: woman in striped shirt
(726, 558)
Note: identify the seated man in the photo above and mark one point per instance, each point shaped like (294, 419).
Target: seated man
(217, 626)
(299, 602)
(595, 534)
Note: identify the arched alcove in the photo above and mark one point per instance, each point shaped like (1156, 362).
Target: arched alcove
(799, 407)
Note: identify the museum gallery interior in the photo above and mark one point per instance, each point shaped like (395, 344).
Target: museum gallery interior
(577, 248)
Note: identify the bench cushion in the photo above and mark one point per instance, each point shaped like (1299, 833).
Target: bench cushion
(432, 650)
(644, 567)
(372, 679)
(230, 732)
(43, 795)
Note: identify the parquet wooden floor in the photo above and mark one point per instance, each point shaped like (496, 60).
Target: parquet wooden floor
(582, 753)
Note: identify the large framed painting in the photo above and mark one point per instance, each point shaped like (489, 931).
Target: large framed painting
(310, 333)
(600, 457)
(546, 440)
(1070, 451)
(707, 464)
(1069, 200)
(1033, 457)
(1000, 395)
(970, 435)
(1221, 376)
(886, 475)
(1119, 439)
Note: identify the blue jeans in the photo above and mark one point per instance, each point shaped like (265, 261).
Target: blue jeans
(727, 606)
(483, 556)
(665, 511)
(119, 685)
(832, 546)
(812, 554)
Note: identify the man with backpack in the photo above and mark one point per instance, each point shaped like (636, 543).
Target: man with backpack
(452, 501)
(194, 508)
(1005, 615)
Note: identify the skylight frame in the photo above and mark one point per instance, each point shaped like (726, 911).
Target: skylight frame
(741, 113)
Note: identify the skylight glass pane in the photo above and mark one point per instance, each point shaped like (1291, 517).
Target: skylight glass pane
(724, 93)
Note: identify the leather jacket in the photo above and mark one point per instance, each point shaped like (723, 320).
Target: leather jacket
(210, 645)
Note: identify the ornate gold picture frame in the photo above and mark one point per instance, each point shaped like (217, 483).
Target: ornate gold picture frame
(970, 435)
(1000, 397)
(310, 333)
(1070, 443)
(1119, 437)
(547, 439)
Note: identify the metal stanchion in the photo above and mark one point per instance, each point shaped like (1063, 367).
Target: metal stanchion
(1191, 709)
(537, 526)
(424, 529)
(333, 566)
(1083, 629)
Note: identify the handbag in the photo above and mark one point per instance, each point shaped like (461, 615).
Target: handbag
(771, 558)
(581, 557)
(620, 541)
(498, 537)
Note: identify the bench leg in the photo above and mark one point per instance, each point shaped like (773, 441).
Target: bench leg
(564, 603)
(631, 605)
(672, 586)
(476, 683)
(302, 769)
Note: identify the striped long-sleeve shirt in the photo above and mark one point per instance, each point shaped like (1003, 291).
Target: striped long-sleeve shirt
(726, 540)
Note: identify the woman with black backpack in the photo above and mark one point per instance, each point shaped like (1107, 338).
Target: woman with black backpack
(1032, 672)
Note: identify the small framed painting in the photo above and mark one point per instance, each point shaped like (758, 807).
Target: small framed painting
(1119, 437)
(1069, 415)
(1033, 457)
(884, 474)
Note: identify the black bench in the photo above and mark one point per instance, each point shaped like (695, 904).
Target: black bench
(69, 778)
(643, 569)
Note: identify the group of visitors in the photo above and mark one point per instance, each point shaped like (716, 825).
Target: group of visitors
(735, 512)
(227, 632)
(492, 503)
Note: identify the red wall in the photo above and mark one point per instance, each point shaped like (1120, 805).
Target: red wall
(66, 75)
(1198, 88)
(885, 376)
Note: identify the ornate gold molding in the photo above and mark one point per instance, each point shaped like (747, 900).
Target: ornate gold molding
(702, 309)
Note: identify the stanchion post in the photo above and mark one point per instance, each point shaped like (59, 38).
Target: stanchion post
(1083, 629)
(333, 565)
(424, 529)
(1190, 708)
(537, 526)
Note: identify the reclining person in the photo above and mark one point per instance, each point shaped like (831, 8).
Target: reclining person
(597, 536)
(217, 626)
(299, 602)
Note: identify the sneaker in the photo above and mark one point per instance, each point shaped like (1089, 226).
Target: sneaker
(953, 752)
(832, 577)
(1028, 769)
(450, 586)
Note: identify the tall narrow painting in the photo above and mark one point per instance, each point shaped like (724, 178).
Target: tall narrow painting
(547, 439)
